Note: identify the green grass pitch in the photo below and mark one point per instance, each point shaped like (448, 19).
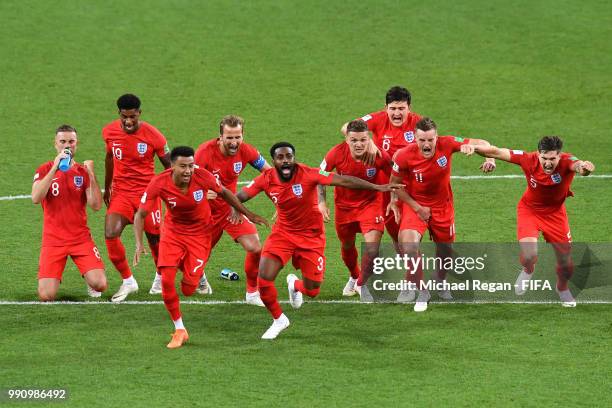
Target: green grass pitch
(507, 72)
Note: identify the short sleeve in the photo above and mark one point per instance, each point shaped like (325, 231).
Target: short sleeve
(41, 172)
(321, 176)
(209, 182)
(254, 158)
(107, 145)
(329, 162)
(454, 143)
(256, 186)
(397, 167)
(148, 201)
(374, 120)
(161, 144)
(517, 157)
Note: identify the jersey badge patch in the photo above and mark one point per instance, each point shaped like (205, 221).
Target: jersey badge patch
(556, 178)
(142, 148)
(78, 181)
(442, 162)
(370, 172)
(297, 189)
(409, 136)
(198, 195)
(237, 167)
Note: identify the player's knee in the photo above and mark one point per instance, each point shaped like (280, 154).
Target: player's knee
(529, 257)
(253, 247)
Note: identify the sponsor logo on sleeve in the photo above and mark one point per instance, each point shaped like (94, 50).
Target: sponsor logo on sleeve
(322, 172)
(78, 181)
(442, 161)
(323, 165)
(396, 167)
(573, 158)
(517, 152)
(458, 139)
(198, 195)
(366, 118)
(142, 148)
(166, 148)
(409, 136)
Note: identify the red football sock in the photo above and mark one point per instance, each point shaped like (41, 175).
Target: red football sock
(349, 256)
(171, 299)
(528, 264)
(367, 265)
(154, 251)
(269, 295)
(417, 276)
(564, 274)
(251, 269)
(116, 253)
(299, 286)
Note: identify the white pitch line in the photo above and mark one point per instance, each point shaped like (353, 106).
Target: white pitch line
(475, 177)
(326, 302)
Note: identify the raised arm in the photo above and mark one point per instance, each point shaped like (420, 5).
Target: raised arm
(41, 187)
(583, 168)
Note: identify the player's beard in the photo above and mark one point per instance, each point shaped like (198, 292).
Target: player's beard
(283, 170)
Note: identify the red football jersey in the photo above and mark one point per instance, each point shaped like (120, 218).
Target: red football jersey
(226, 168)
(64, 212)
(133, 155)
(295, 200)
(545, 192)
(388, 137)
(187, 213)
(428, 180)
(339, 158)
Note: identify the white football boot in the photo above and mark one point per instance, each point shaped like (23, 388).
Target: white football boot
(124, 290)
(422, 301)
(204, 287)
(520, 287)
(254, 299)
(349, 288)
(156, 287)
(295, 298)
(278, 325)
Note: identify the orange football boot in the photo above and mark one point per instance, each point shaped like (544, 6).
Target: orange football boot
(179, 338)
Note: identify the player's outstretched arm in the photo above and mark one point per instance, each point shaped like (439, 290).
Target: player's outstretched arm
(41, 187)
(358, 184)
(584, 168)
(236, 202)
(108, 177)
(139, 219)
(493, 152)
(94, 195)
(489, 164)
(322, 202)
(423, 212)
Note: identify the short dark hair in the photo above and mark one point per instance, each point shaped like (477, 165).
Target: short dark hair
(65, 128)
(550, 143)
(357, 125)
(128, 101)
(231, 121)
(182, 151)
(398, 94)
(279, 145)
(426, 124)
